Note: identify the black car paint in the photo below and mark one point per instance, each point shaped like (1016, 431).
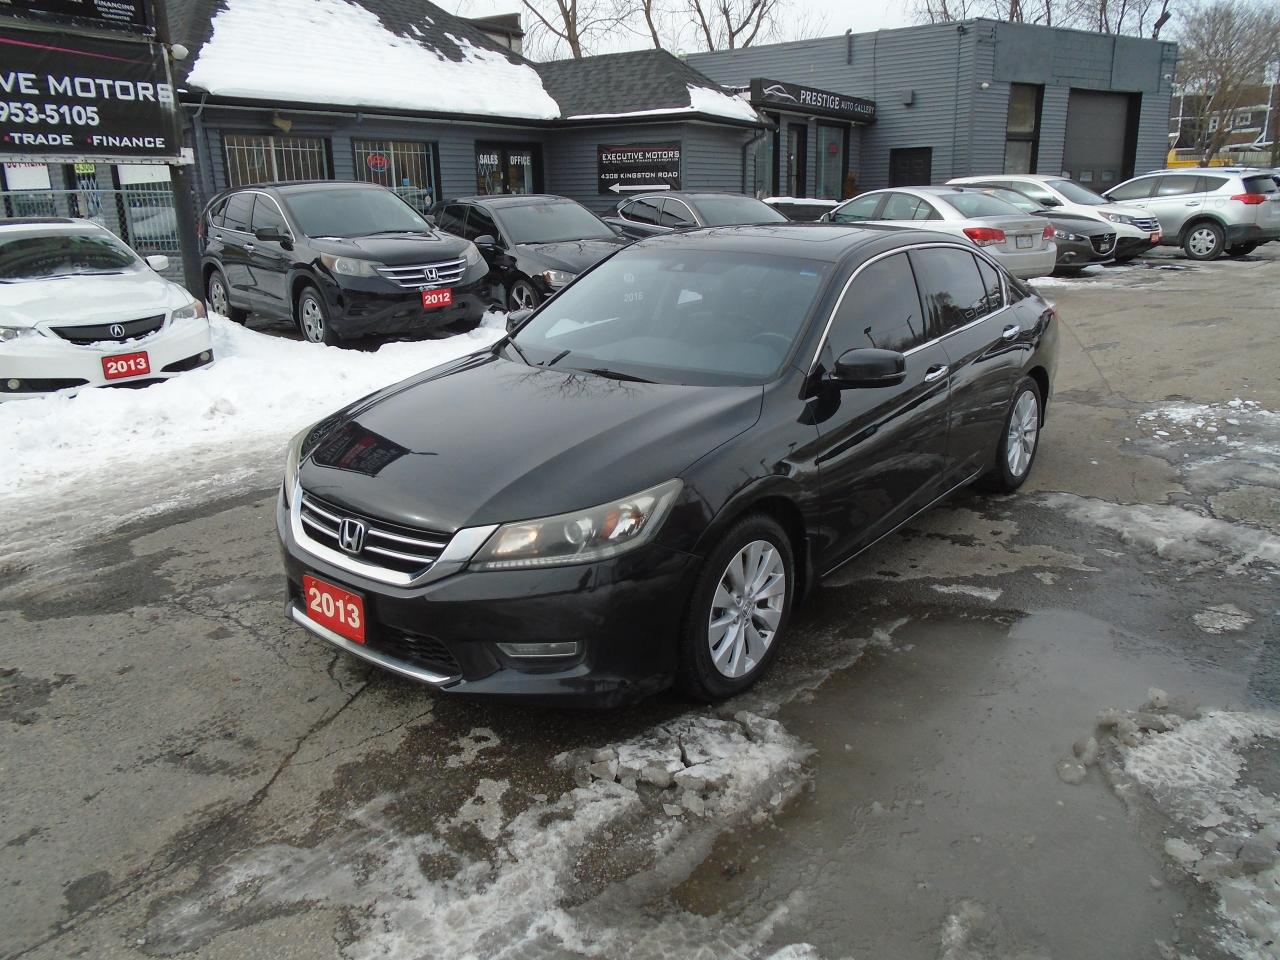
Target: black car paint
(636, 230)
(839, 468)
(266, 276)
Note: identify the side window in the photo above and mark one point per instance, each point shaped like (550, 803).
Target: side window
(856, 210)
(927, 211)
(215, 212)
(675, 214)
(899, 206)
(1210, 184)
(881, 309)
(453, 218)
(266, 215)
(1136, 190)
(951, 286)
(990, 283)
(1036, 192)
(644, 210)
(1176, 186)
(480, 223)
(238, 211)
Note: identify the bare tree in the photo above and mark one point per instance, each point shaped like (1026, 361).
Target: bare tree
(1135, 17)
(575, 26)
(732, 24)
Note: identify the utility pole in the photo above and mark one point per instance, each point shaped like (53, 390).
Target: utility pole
(184, 203)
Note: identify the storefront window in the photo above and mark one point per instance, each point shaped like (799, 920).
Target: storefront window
(263, 159)
(831, 161)
(797, 172)
(406, 166)
(760, 168)
(508, 168)
(1022, 128)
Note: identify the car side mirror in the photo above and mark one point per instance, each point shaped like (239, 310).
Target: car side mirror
(616, 229)
(1050, 201)
(486, 241)
(517, 317)
(158, 262)
(869, 367)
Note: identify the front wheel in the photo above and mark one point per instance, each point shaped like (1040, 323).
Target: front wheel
(523, 296)
(738, 613)
(1241, 249)
(218, 298)
(1019, 441)
(1203, 241)
(313, 318)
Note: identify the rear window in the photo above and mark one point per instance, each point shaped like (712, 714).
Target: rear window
(1259, 184)
(723, 211)
(981, 205)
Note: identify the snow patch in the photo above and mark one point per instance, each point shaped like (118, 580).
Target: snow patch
(1223, 618)
(990, 594)
(702, 100)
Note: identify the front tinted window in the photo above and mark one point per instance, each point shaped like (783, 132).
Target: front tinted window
(953, 290)
(1137, 190)
(675, 214)
(35, 256)
(726, 211)
(881, 309)
(236, 214)
(978, 204)
(1077, 194)
(453, 219)
(266, 216)
(480, 224)
(1176, 186)
(676, 314)
(353, 212)
(553, 222)
(855, 210)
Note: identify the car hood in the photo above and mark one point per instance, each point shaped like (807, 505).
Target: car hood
(572, 256)
(396, 248)
(488, 440)
(105, 298)
(1079, 223)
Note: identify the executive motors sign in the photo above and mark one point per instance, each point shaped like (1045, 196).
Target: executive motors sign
(112, 14)
(796, 98)
(66, 96)
(634, 167)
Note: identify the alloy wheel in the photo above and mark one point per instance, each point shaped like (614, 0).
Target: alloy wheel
(746, 609)
(1203, 242)
(312, 320)
(218, 296)
(523, 296)
(1024, 426)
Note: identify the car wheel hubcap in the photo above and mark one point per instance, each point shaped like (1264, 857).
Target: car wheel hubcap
(1203, 242)
(746, 609)
(1024, 426)
(523, 296)
(312, 321)
(218, 298)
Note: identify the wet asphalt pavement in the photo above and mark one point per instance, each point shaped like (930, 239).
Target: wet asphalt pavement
(187, 775)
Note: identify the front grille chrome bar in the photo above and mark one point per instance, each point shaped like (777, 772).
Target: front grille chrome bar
(443, 274)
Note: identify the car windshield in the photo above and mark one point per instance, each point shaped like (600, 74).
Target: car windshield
(35, 255)
(1013, 197)
(726, 211)
(1078, 194)
(354, 212)
(552, 222)
(979, 204)
(675, 314)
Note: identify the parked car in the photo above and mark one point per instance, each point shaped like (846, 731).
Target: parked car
(1136, 231)
(1208, 211)
(342, 260)
(534, 243)
(78, 308)
(652, 214)
(639, 484)
(1021, 244)
(1080, 240)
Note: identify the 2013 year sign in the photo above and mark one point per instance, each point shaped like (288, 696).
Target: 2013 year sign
(69, 96)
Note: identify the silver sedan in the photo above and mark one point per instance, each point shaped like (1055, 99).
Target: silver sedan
(1022, 244)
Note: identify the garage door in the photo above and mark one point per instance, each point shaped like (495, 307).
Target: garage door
(1102, 136)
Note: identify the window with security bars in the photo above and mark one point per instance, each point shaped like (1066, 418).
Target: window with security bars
(261, 159)
(406, 166)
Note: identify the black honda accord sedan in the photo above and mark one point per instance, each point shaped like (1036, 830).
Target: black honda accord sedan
(639, 484)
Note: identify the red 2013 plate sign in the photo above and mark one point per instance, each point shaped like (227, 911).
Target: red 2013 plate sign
(435, 299)
(339, 610)
(125, 365)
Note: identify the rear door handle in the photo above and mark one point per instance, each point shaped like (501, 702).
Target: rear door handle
(250, 247)
(1010, 332)
(936, 373)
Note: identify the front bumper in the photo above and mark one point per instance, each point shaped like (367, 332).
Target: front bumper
(1079, 253)
(1128, 247)
(368, 306)
(624, 614)
(46, 364)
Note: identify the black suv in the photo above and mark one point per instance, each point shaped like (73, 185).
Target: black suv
(342, 260)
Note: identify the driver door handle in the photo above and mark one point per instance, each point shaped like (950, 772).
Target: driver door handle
(250, 247)
(936, 373)
(1010, 332)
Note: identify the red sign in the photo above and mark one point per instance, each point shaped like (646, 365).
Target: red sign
(126, 365)
(339, 610)
(378, 162)
(434, 299)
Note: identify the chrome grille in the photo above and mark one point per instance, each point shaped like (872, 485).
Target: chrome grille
(117, 332)
(443, 274)
(1103, 243)
(388, 545)
(1150, 224)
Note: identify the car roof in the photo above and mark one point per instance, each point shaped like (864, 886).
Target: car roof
(690, 195)
(985, 178)
(1230, 169)
(512, 199)
(24, 223)
(827, 242)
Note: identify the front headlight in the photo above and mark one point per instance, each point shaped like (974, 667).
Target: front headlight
(1063, 235)
(557, 278)
(472, 253)
(350, 266)
(1118, 218)
(191, 311)
(584, 536)
(292, 460)
(13, 333)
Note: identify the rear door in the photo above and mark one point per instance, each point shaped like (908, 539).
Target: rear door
(267, 260)
(233, 235)
(640, 218)
(1175, 199)
(985, 348)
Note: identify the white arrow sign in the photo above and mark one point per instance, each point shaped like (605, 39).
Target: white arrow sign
(619, 188)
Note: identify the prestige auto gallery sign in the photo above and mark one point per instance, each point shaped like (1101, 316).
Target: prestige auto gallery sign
(64, 95)
(800, 99)
(635, 167)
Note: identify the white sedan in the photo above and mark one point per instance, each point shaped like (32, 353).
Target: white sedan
(80, 309)
(1020, 243)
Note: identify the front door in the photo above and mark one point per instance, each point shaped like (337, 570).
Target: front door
(911, 167)
(881, 449)
(797, 159)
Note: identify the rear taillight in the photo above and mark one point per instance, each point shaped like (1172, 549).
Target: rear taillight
(1252, 199)
(1047, 232)
(984, 236)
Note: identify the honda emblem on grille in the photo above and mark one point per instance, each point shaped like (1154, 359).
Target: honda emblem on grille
(431, 274)
(116, 330)
(351, 535)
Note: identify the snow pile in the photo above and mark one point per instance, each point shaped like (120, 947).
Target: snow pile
(990, 594)
(337, 52)
(703, 100)
(1241, 428)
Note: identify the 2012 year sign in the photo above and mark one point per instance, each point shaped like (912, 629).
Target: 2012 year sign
(71, 96)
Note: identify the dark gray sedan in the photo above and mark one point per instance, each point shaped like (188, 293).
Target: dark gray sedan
(652, 214)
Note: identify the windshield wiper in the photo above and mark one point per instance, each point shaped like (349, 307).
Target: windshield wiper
(520, 353)
(557, 358)
(615, 375)
(383, 233)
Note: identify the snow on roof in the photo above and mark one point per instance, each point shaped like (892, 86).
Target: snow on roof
(336, 52)
(702, 100)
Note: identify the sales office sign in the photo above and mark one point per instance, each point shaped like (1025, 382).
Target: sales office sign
(69, 96)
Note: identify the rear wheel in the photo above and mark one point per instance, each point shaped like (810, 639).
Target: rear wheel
(1203, 241)
(1019, 441)
(738, 613)
(313, 317)
(218, 298)
(1241, 249)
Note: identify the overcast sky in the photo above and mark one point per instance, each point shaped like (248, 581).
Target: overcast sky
(840, 15)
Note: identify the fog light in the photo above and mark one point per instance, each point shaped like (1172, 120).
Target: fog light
(13, 384)
(206, 357)
(561, 649)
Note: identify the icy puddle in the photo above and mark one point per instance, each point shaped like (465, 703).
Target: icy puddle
(938, 824)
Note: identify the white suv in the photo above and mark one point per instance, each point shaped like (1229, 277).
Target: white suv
(78, 309)
(1136, 230)
(1208, 210)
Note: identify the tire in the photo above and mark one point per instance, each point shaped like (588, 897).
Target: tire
(1203, 241)
(523, 295)
(313, 318)
(218, 298)
(1241, 249)
(1019, 439)
(760, 542)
